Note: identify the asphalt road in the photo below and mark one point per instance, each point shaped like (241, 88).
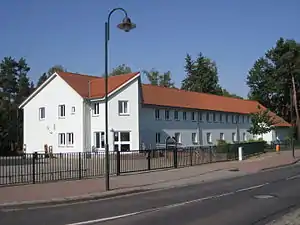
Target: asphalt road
(252, 199)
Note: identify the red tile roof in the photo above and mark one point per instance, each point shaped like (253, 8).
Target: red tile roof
(162, 96)
(92, 86)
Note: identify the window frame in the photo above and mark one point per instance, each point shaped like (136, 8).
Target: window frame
(40, 113)
(209, 138)
(222, 136)
(184, 115)
(157, 138)
(101, 142)
(157, 114)
(178, 140)
(61, 137)
(68, 135)
(194, 138)
(121, 107)
(73, 110)
(119, 142)
(61, 108)
(96, 109)
(176, 115)
(167, 112)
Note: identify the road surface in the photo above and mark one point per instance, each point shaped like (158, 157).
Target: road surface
(253, 199)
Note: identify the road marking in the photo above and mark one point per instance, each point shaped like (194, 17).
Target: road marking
(251, 188)
(106, 219)
(293, 177)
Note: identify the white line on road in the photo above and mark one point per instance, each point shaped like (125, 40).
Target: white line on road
(293, 177)
(106, 219)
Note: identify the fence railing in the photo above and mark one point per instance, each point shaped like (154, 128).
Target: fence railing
(40, 168)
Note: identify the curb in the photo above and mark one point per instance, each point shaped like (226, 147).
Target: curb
(281, 166)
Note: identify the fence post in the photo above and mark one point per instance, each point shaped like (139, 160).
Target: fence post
(149, 159)
(80, 166)
(34, 157)
(175, 158)
(118, 163)
(210, 154)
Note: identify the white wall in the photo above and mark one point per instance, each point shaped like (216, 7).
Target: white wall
(149, 126)
(39, 132)
(117, 122)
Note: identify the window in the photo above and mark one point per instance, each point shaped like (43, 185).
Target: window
(200, 116)
(208, 117)
(244, 137)
(193, 116)
(249, 119)
(222, 137)
(184, 115)
(167, 114)
(73, 110)
(122, 141)
(99, 142)
(234, 138)
(176, 115)
(70, 138)
(61, 139)
(208, 138)
(214, 117)
(221, 117)
(157, 114)
(177, 137)
(227, 118)
(157, 137)
(244, 118)
(42, 114)
(61, 111)
(123, 108)
(194, 138)
(96, 110)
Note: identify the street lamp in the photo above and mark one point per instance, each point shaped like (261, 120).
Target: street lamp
(126, 25)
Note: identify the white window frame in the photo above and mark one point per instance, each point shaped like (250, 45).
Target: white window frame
(119, 142)
(61, 139)
(101, 140)
(123, 107)
(96, 109)
(193, 116)
(70, 139)
(157, 114)
(214, 115)
(167, 112)
(73, 110)
(176, 115)
(157, 138)
(178, 139)
(208, 119)
(221, 118)
(61, 108)
(194, 138)
(209, 138)
(200, 116)
(184, 115)
(234, 137)
(222, 136)
(227, 118)
(40, 113)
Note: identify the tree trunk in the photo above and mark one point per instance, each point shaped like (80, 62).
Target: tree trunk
(295, 102)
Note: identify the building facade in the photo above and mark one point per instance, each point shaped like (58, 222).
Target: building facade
(67, 113)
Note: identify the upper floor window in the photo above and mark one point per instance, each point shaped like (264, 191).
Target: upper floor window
(227, 118)
(193, 116)
(96, 109)
(61, 111)
(200, 116)
(249, 119)
(167, 114)
(73, 110)
(214, 117)
(123, 108)
(184, 115)
(208, 117)
(221, 117)
(176, 117)
(157, 114)
(42, 113)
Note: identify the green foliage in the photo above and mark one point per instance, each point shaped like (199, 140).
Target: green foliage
(52, 70)
(201, 75)
(121, 69)
(228, 94)
(158, 79)
(275, 76)
(261, 122)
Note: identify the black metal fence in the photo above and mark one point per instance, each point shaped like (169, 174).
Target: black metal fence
(40, 168)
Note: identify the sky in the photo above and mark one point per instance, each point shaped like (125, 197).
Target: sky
(233, 33)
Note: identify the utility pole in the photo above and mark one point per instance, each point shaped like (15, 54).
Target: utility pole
(292, 138)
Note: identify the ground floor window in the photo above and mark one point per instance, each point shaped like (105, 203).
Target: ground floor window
(61, 139)
(122, 141)
(99, 142)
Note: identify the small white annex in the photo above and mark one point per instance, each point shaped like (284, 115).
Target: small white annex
(67, 113)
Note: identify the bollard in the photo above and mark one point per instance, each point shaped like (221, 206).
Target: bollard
(240, 149)
(278, 148)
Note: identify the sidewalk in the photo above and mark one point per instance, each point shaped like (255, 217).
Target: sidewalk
(137, 182)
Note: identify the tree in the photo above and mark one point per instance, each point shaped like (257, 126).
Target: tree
(261, 122)
(201, 75)
(275, 79)
(52, 70)
(158, 79)
(121, 69)
(228, 94)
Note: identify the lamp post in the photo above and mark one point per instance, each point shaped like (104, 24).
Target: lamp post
(125, 25)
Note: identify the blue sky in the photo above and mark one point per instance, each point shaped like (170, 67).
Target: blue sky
(234, 33)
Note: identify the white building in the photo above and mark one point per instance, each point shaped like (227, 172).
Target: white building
(67, 113)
